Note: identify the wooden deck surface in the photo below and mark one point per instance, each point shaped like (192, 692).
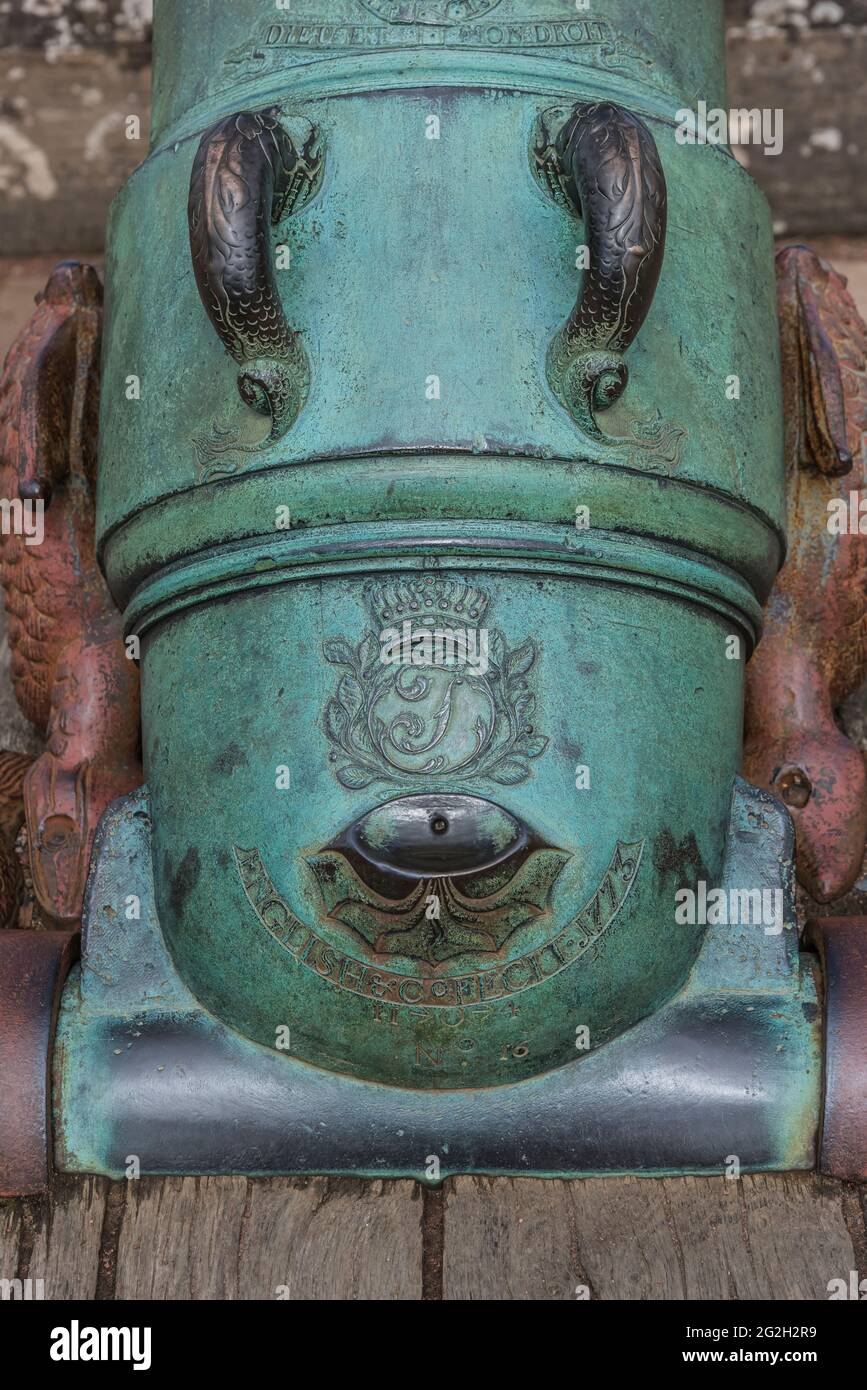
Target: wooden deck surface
(765, 1237)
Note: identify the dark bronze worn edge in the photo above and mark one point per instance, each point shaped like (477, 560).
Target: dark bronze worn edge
(247, 175)
(608, 169)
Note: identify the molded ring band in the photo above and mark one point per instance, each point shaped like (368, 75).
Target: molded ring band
(599, 556)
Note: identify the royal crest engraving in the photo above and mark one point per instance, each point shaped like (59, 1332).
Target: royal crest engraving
(430, 691)
(429, 11)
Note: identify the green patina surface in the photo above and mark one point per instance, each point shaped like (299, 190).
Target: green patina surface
(732, 1065)
(634, 686)
(418, 259)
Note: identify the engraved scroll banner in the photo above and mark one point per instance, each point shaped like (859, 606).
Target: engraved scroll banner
(278, 43)
(476, 987)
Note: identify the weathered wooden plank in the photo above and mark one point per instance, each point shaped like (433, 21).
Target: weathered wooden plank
(780, 1236)
(333, 1239)
(510, 1240)
(629, 1246)
(776, 1236)
(797, 1236)
(179, 1238)
(66, 1243)
(236, 1238)
(10, 1234)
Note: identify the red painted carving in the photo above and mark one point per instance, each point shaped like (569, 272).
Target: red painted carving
(13, 768)
(814, 652)
(70, 671)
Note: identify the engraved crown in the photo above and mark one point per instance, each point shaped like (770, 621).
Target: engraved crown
(428, 596)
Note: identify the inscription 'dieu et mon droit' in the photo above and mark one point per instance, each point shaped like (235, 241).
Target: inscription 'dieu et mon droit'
(374, 25)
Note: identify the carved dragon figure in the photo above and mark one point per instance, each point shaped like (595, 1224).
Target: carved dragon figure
(70, 671)
(814, 651)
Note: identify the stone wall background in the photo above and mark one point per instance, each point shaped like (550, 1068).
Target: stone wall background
(71, 71)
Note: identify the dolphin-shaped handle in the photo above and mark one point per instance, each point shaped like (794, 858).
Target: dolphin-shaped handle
(247, 173)
(609, 170)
